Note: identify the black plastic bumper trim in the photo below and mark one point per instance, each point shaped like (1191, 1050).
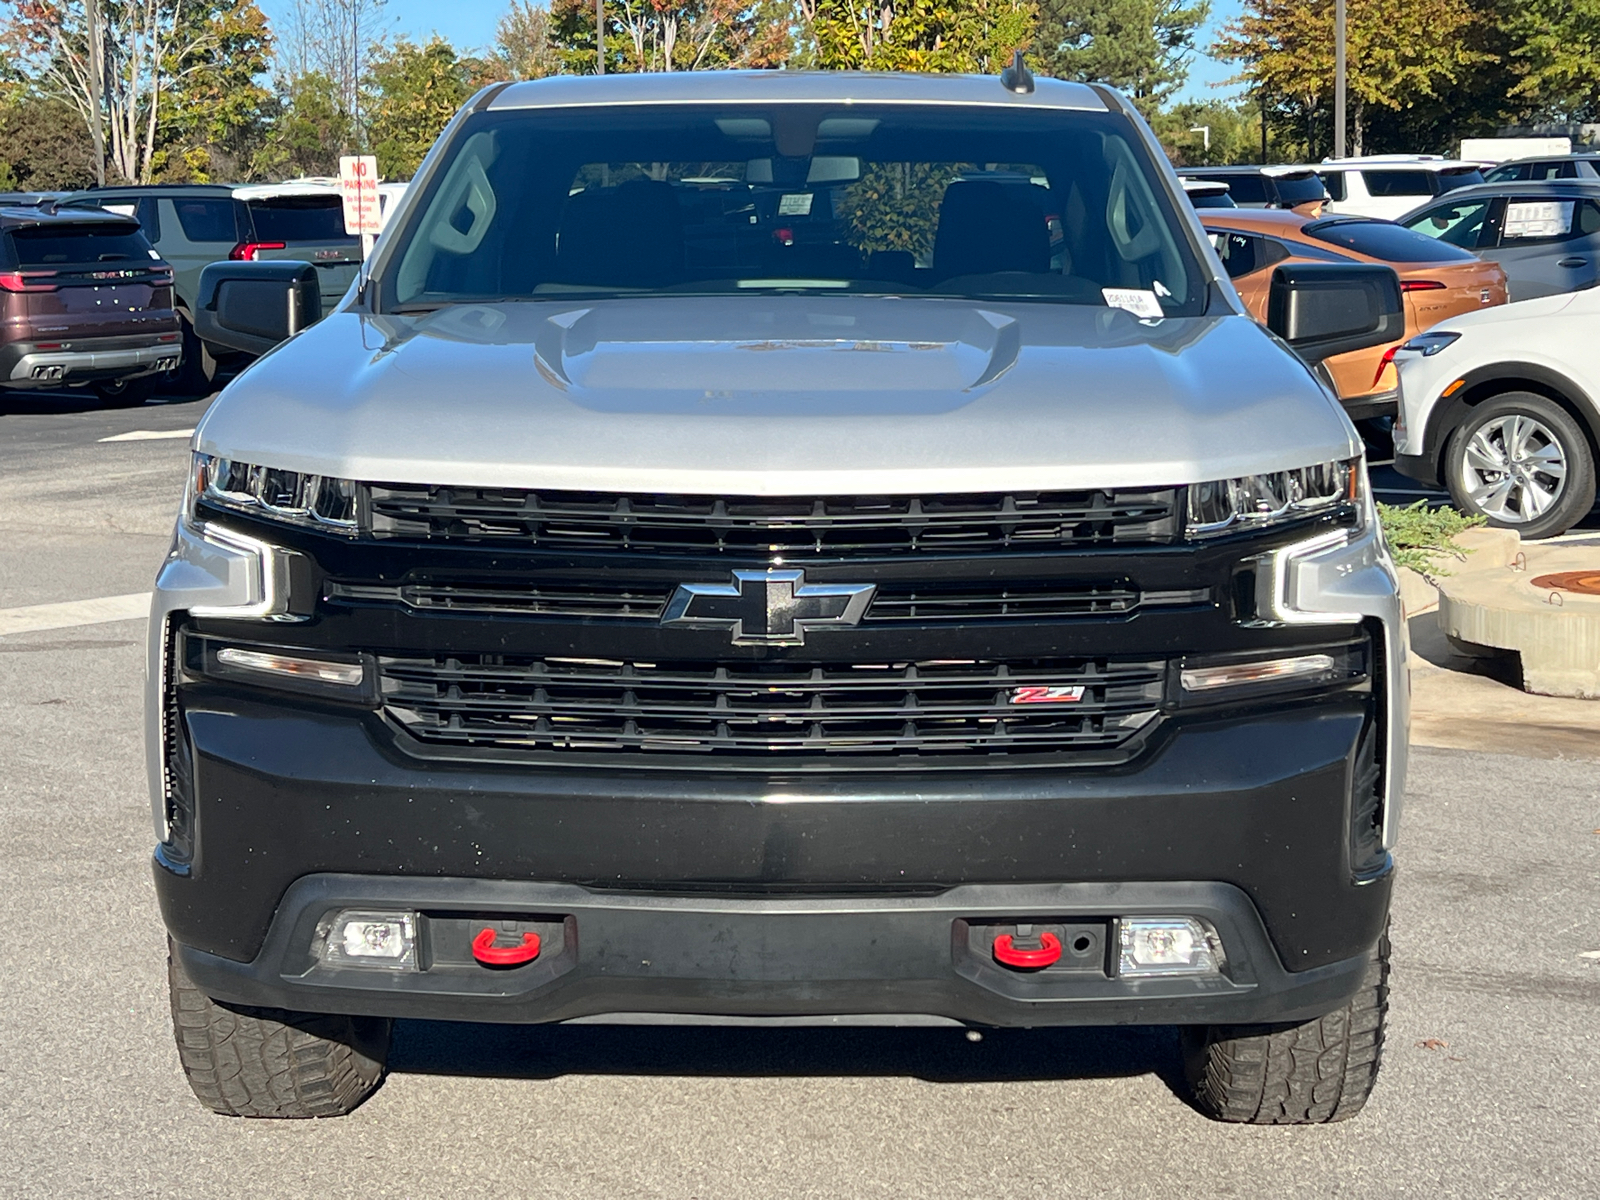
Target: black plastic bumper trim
(657, 956)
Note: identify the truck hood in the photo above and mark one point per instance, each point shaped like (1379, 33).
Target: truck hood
(779, 395)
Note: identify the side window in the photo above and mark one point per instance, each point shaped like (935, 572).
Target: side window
(1510, 173)
(1459, 224)
(1271, 253)
(1239, 253)
(1246, 189)
(149, 214)
(206, 220)
(1530, 221)
(1334, 182)
(1398, 183)
(1588, 218)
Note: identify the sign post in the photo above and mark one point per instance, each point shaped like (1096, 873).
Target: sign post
(358, 182)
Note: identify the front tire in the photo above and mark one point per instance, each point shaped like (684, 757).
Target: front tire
(1522, 462)
(1312, 1073)
(266, 1062)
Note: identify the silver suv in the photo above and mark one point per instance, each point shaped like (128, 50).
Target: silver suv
(772, 547)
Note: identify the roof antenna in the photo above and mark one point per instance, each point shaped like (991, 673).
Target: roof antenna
(1017, 78)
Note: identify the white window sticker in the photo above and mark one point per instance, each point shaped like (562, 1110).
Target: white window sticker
(1139, 303)
(122, 210)
(795, 204)
(1539, 219)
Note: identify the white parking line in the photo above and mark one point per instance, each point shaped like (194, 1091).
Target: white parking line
(70, 613)
(149, 435)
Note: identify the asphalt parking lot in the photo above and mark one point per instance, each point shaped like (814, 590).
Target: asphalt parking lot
(1489, 1088)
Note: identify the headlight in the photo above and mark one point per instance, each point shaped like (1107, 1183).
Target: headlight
(1429, 344)
(317, 500)
(1251, 501)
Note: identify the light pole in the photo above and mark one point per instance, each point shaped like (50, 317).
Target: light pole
(1338, 78)
(600, 36)
(1205, 132)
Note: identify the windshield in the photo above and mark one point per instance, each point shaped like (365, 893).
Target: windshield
(300, 219)
(54, 245)
(880, 199)
(1298, 189)
(1385, 240)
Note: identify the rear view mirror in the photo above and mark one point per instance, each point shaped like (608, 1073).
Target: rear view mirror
(252, 306)
(1324, 309)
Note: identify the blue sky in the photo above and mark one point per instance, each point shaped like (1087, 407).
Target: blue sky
(469, 24)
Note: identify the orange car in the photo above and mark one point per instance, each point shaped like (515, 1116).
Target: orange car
(1439, 281)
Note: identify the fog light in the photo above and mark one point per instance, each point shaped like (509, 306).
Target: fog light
(1167, 946)
(371, 939)
(1301, 667)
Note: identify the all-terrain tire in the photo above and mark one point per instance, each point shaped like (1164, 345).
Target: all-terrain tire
(265, 1062)
(1308, 1074)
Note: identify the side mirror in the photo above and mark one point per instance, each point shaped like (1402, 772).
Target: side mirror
(1324, 309)
(252, 306)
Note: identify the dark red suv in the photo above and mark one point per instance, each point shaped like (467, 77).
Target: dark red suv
(84, 302)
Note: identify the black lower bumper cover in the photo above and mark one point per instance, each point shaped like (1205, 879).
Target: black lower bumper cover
(893, 959)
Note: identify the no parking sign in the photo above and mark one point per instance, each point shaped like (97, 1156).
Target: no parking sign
(358, 182)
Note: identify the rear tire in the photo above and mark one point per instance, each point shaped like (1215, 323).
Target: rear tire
(1551, 441)
(270, 1063)
(127, 393)
(1312, 1073)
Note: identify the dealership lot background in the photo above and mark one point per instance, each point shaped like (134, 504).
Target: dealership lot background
(1490, 1079)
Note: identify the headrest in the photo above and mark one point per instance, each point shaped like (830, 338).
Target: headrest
(985, 227)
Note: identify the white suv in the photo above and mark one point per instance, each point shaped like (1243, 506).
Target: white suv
(1500, 405)
(1391, 185)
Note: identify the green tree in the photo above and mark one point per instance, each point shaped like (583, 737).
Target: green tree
(1401, 52)
(414, 91)
(214, 118)
(673, 35)
(1556, 56)
(46, 147)
(309, 131)
(920, 35)
(1212, 133)
(523, 48)
(1142, 47)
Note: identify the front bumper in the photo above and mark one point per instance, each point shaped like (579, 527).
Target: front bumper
(888, 960)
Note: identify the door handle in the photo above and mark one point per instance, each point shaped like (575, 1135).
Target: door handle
(1572, 261)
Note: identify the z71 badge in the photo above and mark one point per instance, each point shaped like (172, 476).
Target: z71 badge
(1046, 695)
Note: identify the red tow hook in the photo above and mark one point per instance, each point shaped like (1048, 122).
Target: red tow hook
(486, 952)
(1007, 954)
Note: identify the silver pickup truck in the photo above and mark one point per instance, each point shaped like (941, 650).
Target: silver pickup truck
(781, 547)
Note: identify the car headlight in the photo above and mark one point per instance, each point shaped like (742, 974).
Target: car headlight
(302, 499)
(1252, 501)
(1429, 344)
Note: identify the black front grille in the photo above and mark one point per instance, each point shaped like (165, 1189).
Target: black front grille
(842, 526)
(892, 603)
(771, 708)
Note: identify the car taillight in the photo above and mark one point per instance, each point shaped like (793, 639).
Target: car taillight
(1388, 357)
(1421, 285)
(247, 251)
(27, 281)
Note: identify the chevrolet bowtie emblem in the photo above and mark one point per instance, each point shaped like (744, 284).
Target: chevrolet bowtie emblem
(768, 608)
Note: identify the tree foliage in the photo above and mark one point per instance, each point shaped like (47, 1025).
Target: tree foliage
(920, 35)
(1557, 56)
(46, 146)
(1142, 47)
(415, 90)
(310, 129)
(1399, 52)
(212, 122)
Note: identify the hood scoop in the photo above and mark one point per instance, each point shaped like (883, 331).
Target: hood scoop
(722, 349)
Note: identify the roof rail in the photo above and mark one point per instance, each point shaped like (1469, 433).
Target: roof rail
(1017, 78)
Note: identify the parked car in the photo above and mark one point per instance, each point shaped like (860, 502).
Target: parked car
(1296, 188)
(194, 225)
(389, 197)
(1438, 281)
(1390, 185)
(1207, 193)
(1545, 235)
(1558, 166)
(595, 619)
(1500, 406)
(84, 302)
